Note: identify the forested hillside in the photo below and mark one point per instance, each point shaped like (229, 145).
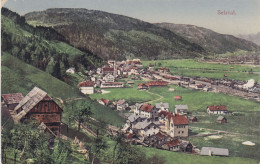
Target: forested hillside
(112, 36)
(42, 47)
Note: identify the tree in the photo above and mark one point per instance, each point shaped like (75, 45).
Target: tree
(60, 152)
(97, 147)
(81, 113)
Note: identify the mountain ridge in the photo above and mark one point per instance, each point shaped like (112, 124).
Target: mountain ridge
(209, 39)
(114, 34)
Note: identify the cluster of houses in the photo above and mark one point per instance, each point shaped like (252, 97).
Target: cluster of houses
(106, 77)
(154, 125)
(36, 105)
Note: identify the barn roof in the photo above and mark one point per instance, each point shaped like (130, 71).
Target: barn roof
(178, 120)
(217, 108)
(220, 118)
(12, 98)
(29, 101)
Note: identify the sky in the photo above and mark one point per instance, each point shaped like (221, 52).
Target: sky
(244, 17)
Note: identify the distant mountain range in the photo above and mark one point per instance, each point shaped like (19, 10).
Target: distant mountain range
(251, 37)
(209, 40)
(112, 36)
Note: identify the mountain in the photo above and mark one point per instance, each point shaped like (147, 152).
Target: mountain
(210, 41)
(112, 36)
(251, 37)
(42, 47)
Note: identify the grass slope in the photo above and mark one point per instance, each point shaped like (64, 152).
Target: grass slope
(18, 76)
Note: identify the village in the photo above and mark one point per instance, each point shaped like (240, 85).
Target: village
(145, 124)
(154, 125)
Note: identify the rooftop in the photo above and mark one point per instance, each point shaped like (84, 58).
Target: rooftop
(214, 151)
(217, 108)
(12, 98)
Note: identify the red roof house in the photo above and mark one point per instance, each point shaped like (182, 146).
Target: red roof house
(177, 97)
(86, 84)
(219, 109)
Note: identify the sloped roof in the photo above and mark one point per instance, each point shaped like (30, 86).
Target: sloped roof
(181, 107)
(29, 101)
(104, 100)
(157, 83)
(217, 108)
(12, 98)
(177, 97)
(86, 84)
(159, 105)
(120, 102)
(173, 143)
(147, 107)
(220, 118)
(143, 125)
(165, 113)
(177, 119)
(214, 151)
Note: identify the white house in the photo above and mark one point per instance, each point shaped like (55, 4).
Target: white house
(221, 109)
(121, 105)
(86, 87)
(177, 126)
(147, 110)
(162, 106)
(146, 128)
(71, 70)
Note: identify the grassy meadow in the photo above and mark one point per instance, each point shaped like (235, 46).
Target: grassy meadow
(188, 67)
(132, 95)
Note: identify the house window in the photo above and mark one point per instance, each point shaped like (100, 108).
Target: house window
(182, 131)
(179, 132)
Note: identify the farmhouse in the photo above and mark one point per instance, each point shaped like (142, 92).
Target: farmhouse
(186, 147)
(87, 87)
(11, 100)
(146, 110)
(112, 85)
(162, 106)
(176, 126)
(210, 151)
(173, 145)
(221, 109)
(103, 101)
(38, 105)
(221, 120)
(121, 105)
(181, 109)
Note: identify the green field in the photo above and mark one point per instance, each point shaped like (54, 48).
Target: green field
(193, 68)
(183, 158)
(199, 100)
(132, 95)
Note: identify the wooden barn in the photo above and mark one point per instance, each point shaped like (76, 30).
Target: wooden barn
(38, 105)
(11, 100)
